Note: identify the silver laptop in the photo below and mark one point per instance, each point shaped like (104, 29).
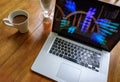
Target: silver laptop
(78, 48)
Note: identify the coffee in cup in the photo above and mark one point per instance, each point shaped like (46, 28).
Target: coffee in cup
(19, 18)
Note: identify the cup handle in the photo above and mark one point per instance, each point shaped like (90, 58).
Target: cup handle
(7, 22)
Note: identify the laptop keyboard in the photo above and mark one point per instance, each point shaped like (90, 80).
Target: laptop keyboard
(77, 54)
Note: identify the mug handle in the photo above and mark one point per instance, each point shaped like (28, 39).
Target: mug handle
(7, 22)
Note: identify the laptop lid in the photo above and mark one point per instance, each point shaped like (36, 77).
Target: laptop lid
(92, 22)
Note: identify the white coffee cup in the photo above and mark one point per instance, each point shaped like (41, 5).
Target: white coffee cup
(18, 19)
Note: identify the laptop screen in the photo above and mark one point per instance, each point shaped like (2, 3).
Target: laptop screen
(92, 22)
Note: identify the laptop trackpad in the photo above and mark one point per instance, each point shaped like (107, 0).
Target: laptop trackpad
(68, 73)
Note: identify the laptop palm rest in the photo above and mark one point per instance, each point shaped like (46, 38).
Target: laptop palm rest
(68, 73)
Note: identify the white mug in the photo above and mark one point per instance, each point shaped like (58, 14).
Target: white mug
(18, 19)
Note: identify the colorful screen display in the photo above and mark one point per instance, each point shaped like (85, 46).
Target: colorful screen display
(93, 22)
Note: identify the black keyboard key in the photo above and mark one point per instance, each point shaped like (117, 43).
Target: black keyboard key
(61, 55)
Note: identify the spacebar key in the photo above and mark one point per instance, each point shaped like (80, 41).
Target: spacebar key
(71, 59)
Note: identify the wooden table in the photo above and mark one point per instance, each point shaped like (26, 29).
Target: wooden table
(18, 51)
